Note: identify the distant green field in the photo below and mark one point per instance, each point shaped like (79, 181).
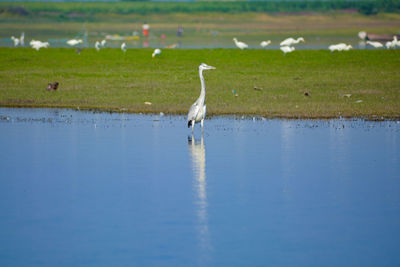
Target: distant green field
(111, 80)
(63, 9)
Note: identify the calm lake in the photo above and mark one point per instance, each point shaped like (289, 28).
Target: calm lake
(99, 189)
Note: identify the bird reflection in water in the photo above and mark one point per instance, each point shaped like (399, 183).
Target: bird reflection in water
(197, 153)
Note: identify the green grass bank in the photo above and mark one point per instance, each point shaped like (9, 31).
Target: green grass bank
(358, 83)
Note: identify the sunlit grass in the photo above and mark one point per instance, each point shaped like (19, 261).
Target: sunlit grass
(115, 81)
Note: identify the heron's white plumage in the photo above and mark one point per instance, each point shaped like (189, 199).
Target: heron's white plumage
(103, 43)
(156, 52)
(74, 42)
(97, 45)
(339, 47)
(15, 40)
(123, 47)
(287, 49)
(197, 111)
(265, 43)
(38, 44)
(239, 44)
(375, 44)
(393, 43)
(291, 41)
(22, 39)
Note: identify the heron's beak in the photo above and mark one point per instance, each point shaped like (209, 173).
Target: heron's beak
(152, 55)
(211, 67)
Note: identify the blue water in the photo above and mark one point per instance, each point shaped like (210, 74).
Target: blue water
(98, 189)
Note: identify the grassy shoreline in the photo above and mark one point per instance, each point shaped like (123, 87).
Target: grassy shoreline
(112, 81)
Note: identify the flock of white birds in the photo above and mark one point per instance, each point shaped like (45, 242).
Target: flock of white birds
(35, 44)
(286, 46)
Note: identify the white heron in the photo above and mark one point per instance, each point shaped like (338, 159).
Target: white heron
(97, 45)
(22, 39)
(287, 49)
(38, 44)
(15, 40)
(390, 44)
(265, 43)
(197, 111)
(375, 44)
(395, 41)
(103, 43)
(347, 48)
(291, 41)
(333, 48)
(241, 45)
(156, 52)
(123, 47)
(340, 47)
(74, 42)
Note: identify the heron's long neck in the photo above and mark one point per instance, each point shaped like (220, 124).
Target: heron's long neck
(203, 88)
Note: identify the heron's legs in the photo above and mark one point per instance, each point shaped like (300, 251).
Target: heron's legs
(192, 126)
(202, 122)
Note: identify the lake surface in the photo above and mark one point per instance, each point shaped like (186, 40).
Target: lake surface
(98, 189)
(201, 42)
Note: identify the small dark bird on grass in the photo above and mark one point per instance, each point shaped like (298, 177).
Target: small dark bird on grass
(52, 86)
(306, 94)
(79, 50)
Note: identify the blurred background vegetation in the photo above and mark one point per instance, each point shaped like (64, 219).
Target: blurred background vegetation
(63, 10)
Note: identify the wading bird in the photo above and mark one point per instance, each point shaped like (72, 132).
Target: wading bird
(287, 49)
(74, 42)
(15, 40)
(97, 45)
(291, 41)
(38, 44)
(103, 43)
(375, 44)
(156, 52)
(197, 111)
(265, 43)
(347, 48)
(390, 44)
(22, 39)
(395, 41)
(241, 45)
(123, 47)
(340, 47)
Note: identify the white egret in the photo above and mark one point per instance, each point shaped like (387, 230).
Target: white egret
(347, 48)
(74, 42)
(123, 47)
(156, 52)
(97, 45)
(390, 44)
(362, 35)
(395, 41)
(375, 44)
(197, 111)
(22, 39)
(241, 45)
(340, 47)
(333, 48)
(291, 41)
(15, 40)
(103, 43)
(38, 44)
(265, 43)
(287, 49)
